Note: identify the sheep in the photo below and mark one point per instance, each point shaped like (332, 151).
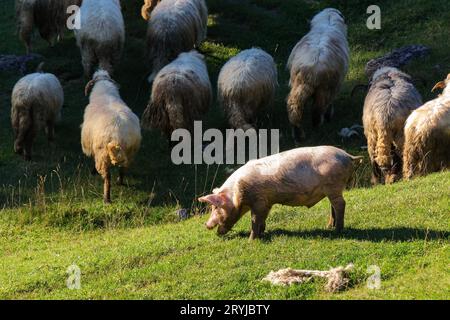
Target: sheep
(427, 136)
(181, 93)
(49, 16)
(36, 103)
(148, 7)
(317, 65)
(390, 100)
(175, 26)
(101, 36)
(110, 132)
(247, 84)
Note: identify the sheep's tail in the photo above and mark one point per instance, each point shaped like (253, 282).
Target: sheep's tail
(117, 155)
(155, 116)
(297, 99)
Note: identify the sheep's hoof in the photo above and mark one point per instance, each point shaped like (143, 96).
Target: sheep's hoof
(107, 201)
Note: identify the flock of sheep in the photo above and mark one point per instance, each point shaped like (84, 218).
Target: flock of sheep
(405, 137)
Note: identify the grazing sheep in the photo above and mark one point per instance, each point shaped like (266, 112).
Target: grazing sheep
(298, 177)
(110, 132)
(390, 100)
(181, 94)
(49, 17)
(427, 136)
(36, 102)
(102, 35)
(247, 84)
(318, 65)
(148, 7)
(175, 26)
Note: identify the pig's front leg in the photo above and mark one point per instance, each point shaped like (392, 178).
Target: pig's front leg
(259, 216)
(337, 219)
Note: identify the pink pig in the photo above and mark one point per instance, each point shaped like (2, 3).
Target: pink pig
(298, 177)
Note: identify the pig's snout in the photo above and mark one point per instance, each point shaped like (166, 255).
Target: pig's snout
(211, 223)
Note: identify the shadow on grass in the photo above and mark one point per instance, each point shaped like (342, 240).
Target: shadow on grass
(375, 234)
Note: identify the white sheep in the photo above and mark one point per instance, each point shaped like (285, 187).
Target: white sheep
(48, 16)
(101, 36)
(246, 85)
(427, 136)
(110, 132)
(36, 102)
(318, 65)
(181, 94)
(175, 26)
(390, 100)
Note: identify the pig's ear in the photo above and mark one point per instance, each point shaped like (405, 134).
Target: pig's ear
(213, 199)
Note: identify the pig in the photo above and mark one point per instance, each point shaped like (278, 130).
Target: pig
(298, 177)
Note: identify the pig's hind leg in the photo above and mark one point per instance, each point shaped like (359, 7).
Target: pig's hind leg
(337, 212)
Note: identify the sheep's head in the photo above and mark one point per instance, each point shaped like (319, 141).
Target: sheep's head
(148, 7)
(442, 84)
(100, 75)
(116, 154)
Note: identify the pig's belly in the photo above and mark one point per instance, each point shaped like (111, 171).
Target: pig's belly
(306, 200)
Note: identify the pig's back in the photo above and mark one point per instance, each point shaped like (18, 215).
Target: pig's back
(301, 176)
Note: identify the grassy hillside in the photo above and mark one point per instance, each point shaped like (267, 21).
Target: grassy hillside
(52, 215)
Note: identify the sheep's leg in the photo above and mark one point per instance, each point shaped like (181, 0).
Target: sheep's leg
(338, 204)
(236, 118)
(94, 171)
(120, 179)
(88, 61)
(320, 108)
(377, 175)
(26, 22)
(329, 113)
(29, 139)
(259, 216)
(107, 186)
(50, 131)
(371, 149)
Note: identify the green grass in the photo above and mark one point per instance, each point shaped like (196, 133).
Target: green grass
(52, 214)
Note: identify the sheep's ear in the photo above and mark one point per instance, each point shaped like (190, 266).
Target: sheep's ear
(89, 87)
(439, 85)
(213, 199)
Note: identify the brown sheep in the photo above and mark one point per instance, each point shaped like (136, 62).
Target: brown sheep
(48, 16)
(427, 136)
(390, 100)
(181, 93)
(175, 26)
